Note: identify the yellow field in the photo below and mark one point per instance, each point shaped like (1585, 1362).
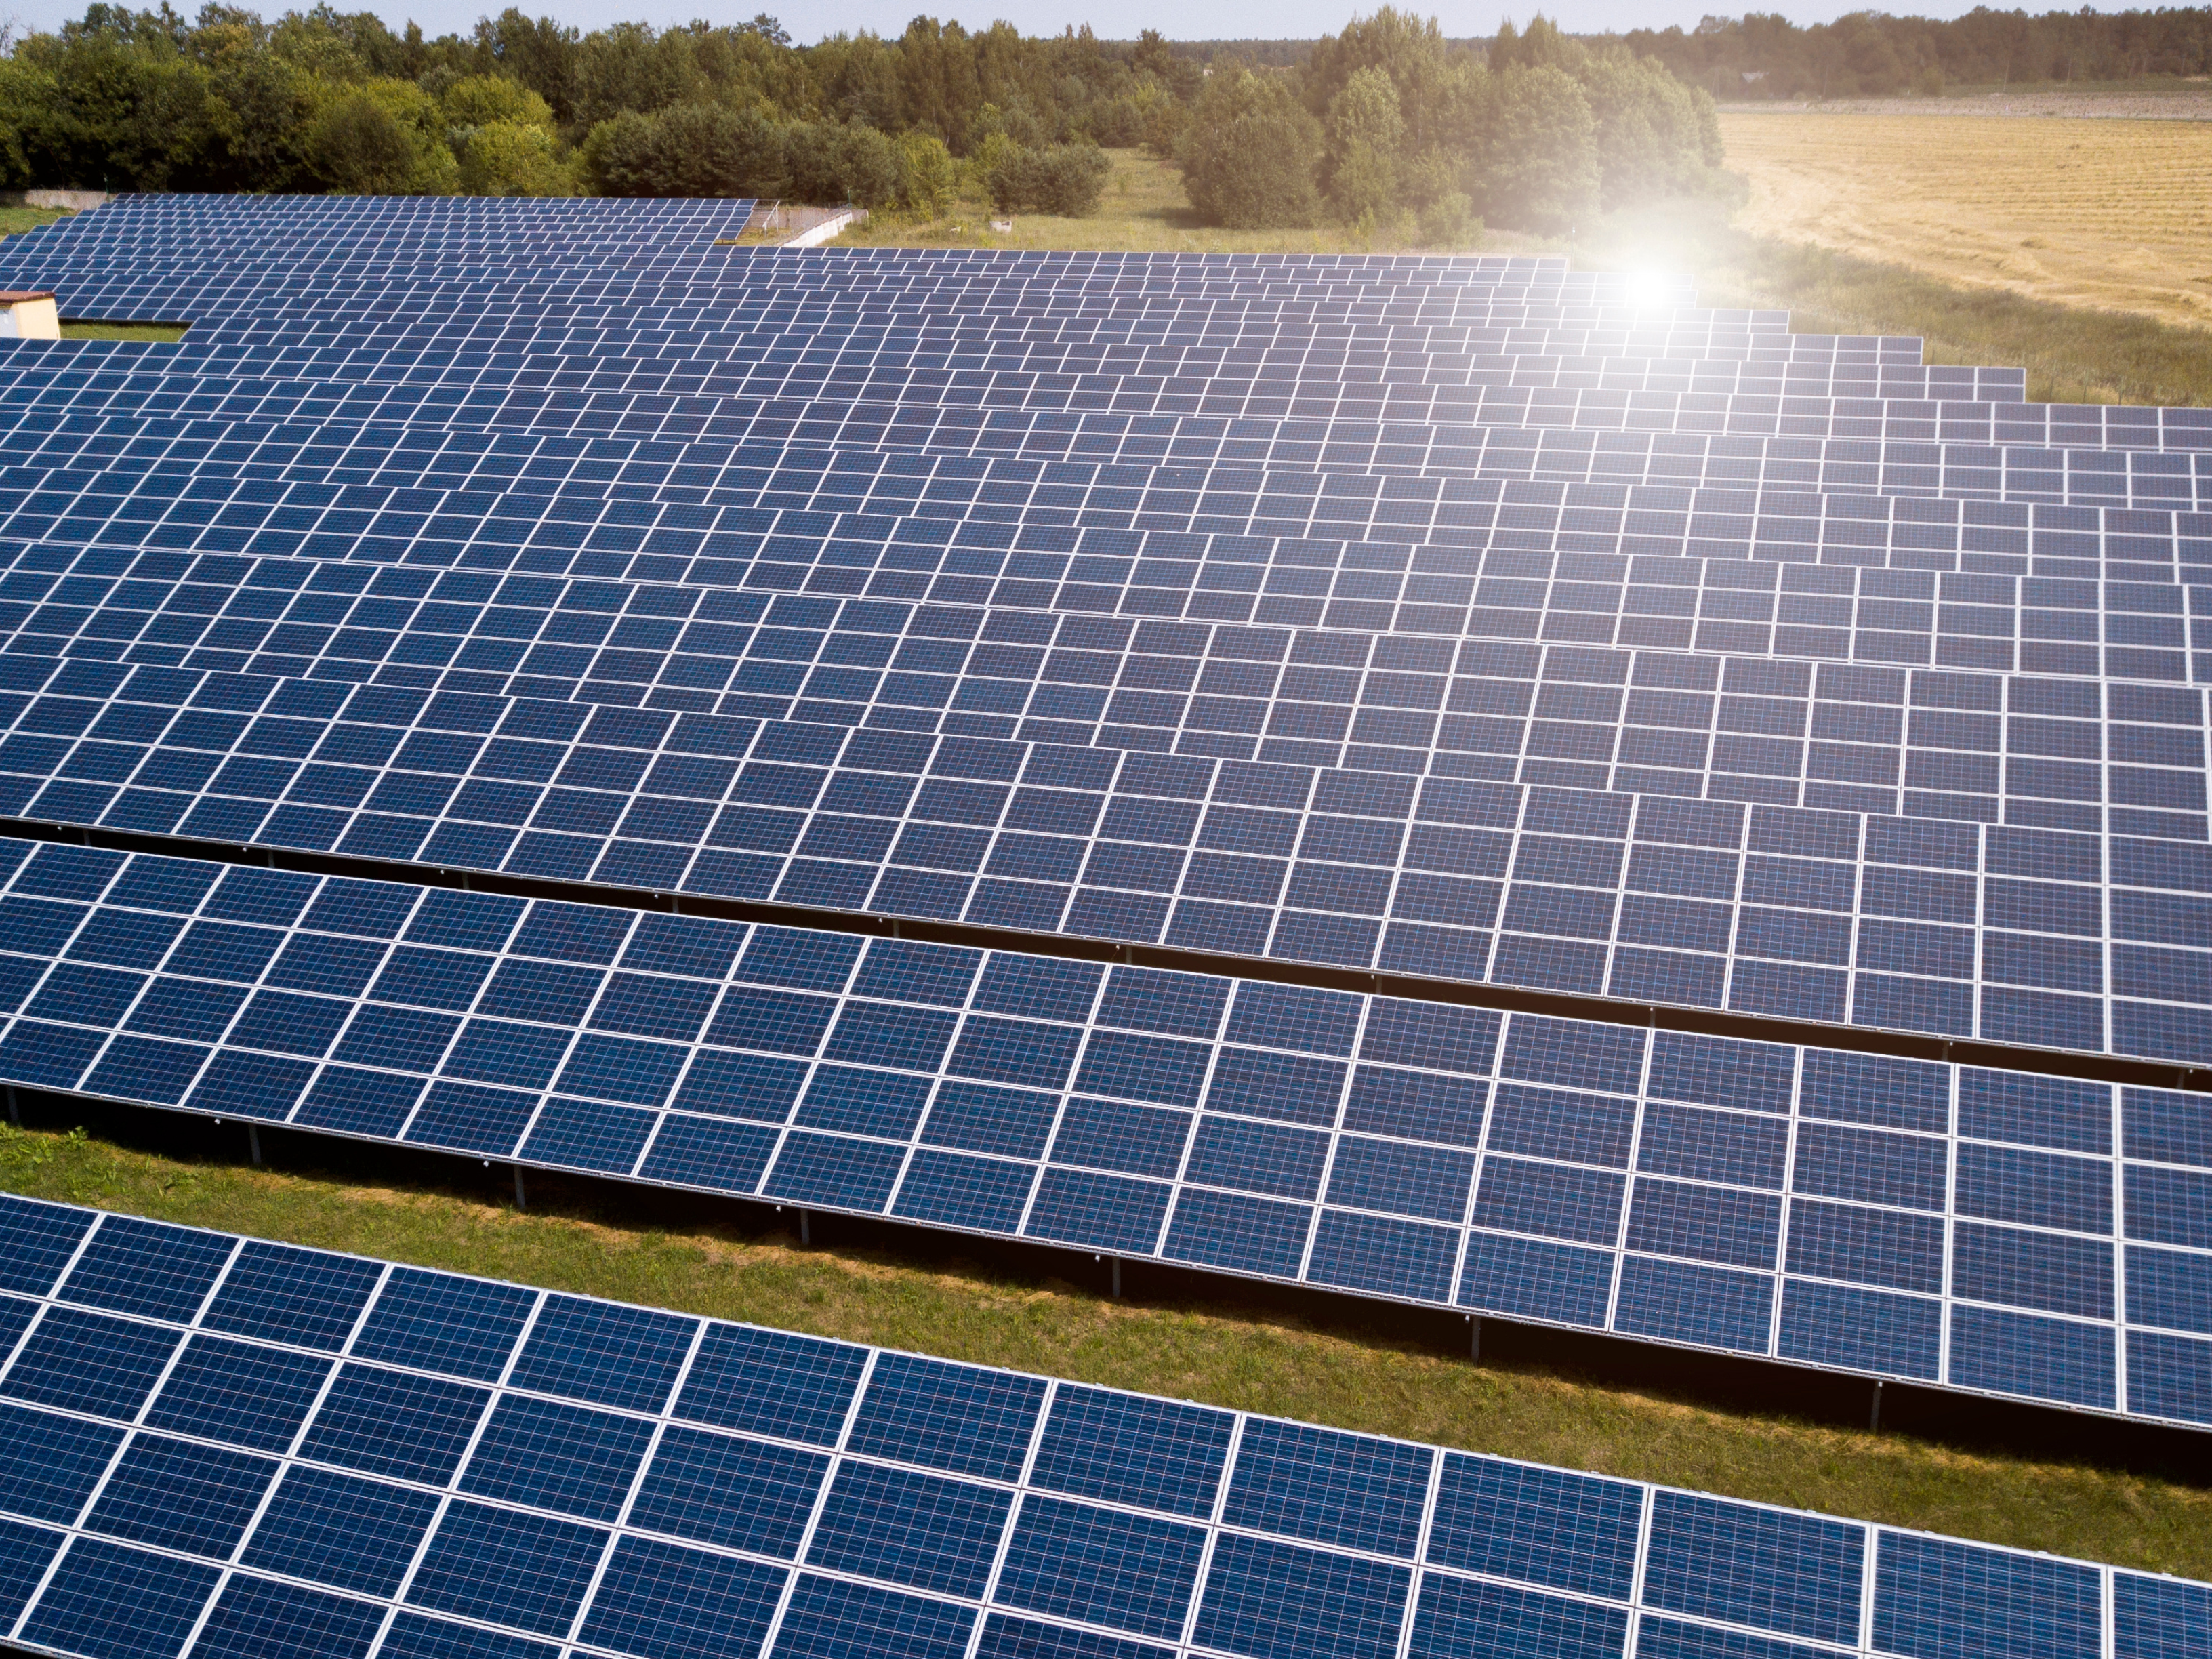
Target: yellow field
(2116, 213)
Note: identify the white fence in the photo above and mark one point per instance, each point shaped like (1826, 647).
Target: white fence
(789, 225)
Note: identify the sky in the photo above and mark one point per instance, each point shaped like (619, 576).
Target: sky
(1184, 20)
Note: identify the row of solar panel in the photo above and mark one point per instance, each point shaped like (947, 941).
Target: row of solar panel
(1284, 415)
(1517, 593)
(524, 633)
(472, 629)
(1512, 465)
(497, 490)
(678, 285)
(2090, 479)
(1378, 888)
(266, 463)
(1834, 610)
(994, 347)
(761, 362)
(447, 1466)
(258, 336)
(294, 328)
(1203, 1121)
(1823, 410)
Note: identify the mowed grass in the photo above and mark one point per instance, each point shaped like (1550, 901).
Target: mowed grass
(124, 330)
(1224, 1349)
(2090, 213)
(2073, 353)
(13, 220)
(1142, 209)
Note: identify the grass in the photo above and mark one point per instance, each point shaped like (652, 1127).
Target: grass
(124, 330)
(2072, 354)
(1142, 209)
(14, 221)
(1223, 1349)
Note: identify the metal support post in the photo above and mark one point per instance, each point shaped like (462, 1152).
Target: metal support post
(1474, 1339)
(520, 1202)
(1117, 1279)
(253, 1143)
(805, 1232)
(1873, 1417)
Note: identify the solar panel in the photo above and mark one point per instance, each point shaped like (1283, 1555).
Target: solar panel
(1466, 621)
(442, 1465)
(1413, 859)
(1608, 567)
(1758, 1198)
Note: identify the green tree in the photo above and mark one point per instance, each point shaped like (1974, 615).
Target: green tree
(513, 158)
(926, 175)
(384, 137)
(1365, 136)
(1535, 162)
(1249, 152)
(1063, 179)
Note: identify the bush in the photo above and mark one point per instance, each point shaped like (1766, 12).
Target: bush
(1063, 179)
(829, 165)
(927, 175)
(513, 158)
(1449, 223)
(1249, 154)
(692, 149)
(870, 162)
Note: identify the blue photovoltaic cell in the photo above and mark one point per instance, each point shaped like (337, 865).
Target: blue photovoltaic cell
(1510, 1521)
(1333, 1488)
(920, 1530)
(662, 1601)
(106, 1599)
(1457, 1617)
(1790, 1573)
(1270, 1601)
(1935, 1596)
(1102, 1568)
(1090, 1524)
(1151, 1453)
(947, 1417)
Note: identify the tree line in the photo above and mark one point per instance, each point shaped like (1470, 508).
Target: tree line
(1870, 54)
(1537, 130)
(1387, 125)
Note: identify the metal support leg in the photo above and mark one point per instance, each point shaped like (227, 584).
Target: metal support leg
(253, 1143)
(805, 1232)
(1873, 1417)
(14, 1112)
(520, 1202)
(1474, 1341)
(1117, 1279)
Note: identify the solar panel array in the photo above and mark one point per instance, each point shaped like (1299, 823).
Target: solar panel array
(2031, 1237)
(1474, 622)
(220, 1446)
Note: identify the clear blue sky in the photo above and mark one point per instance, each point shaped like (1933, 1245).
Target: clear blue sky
(1123, 20)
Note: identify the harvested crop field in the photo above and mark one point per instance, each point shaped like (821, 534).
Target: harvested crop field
(2114, 214)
